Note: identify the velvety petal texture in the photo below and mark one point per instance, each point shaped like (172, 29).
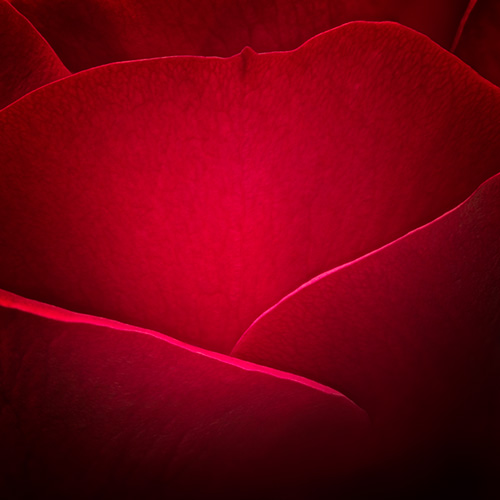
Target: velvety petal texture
(87, 33)
(479, 44)
(410, 332)
(26, 60)
(96, 411)
(270, 275)
(188, 195)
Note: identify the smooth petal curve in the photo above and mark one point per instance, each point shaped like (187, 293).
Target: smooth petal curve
(410, 332)
(26, 60)
(93, 412)
(188, 195)
(479, 44)
(87, 33)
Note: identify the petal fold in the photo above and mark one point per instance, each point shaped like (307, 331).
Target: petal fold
(410, 332)
(479, 44)
(88, 411)
(26, 60)
(188, 195)
(87, 33)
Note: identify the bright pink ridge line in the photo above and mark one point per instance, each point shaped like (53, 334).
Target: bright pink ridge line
(391, 24)
(47, 45)
(462, 24)
(359, 259)
(11, 300)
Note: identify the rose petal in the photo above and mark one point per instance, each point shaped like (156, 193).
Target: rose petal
(410, 332)
(479, 44)
(87, 33)
(90, 411)
(26, 60)
(188, 195)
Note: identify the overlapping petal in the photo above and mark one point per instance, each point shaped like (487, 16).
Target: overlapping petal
(410, 332)
(479, 43)
(100, 410)
(26, 60)
(87, 33)
(188, 195)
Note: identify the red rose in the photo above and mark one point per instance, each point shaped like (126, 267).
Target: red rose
(306, 243)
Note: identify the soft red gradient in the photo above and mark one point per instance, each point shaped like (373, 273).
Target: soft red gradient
(26, 60)
(198, 253)
(92, 410)
(188, 195)
(409, 332)
(87, 33)
(479, 44)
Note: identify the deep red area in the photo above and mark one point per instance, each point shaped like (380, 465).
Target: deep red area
(188, 195)
(409, 332)
(197, 196)
(26, 60)
(87, 33)
(92, 411)
(479, 44)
